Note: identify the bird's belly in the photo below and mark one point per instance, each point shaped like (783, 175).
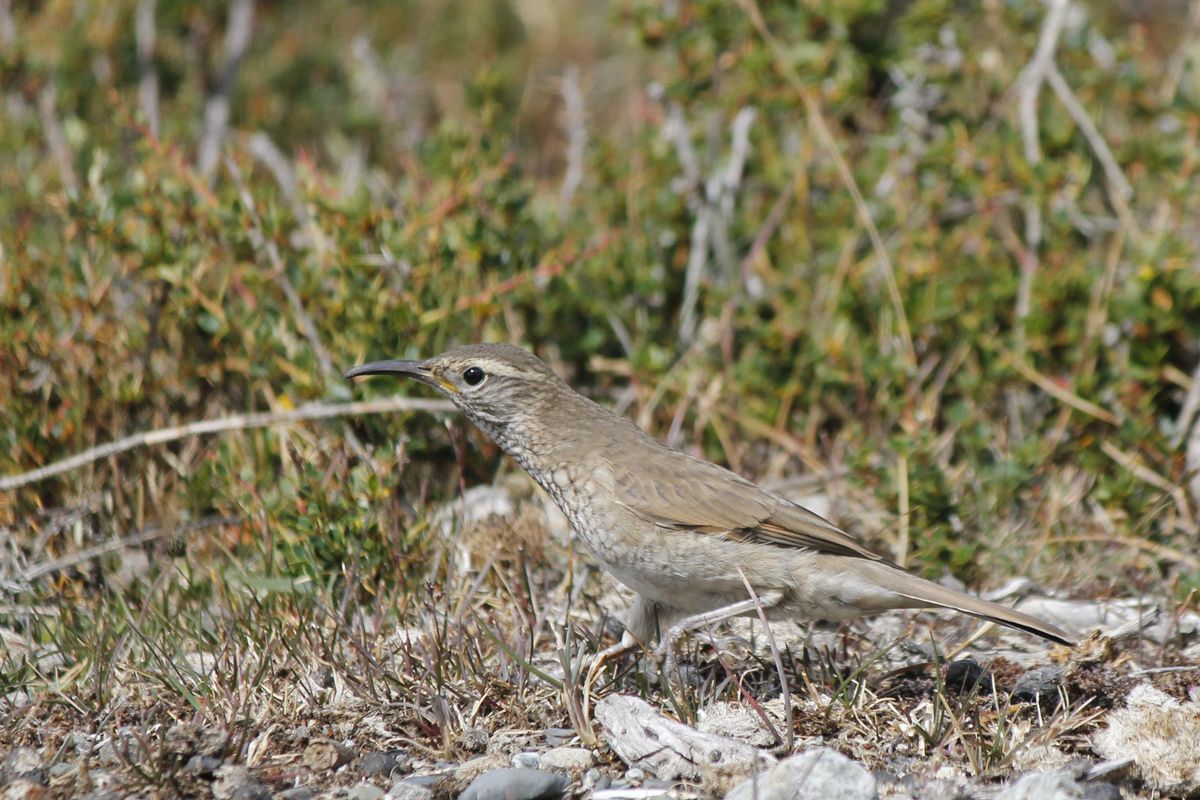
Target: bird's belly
(692, 572)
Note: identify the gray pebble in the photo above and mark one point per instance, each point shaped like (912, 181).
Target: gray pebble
(297, 793)
(818, 774)
(1101, 791)
(635, 775)
(251, 791)
(202, 765)
(365, 791)
(21, 762)
(409, 790)
(384, 763)
(1038, 684)
(515, 784)
(1043, 786)
(566, 758)
(557, 736)
(525, 760)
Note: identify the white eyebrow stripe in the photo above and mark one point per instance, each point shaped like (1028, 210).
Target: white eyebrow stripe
(498, 368)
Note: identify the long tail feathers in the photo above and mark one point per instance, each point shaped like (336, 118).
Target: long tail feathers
(924, 593)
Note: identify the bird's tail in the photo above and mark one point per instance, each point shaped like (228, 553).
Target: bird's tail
(925, 594)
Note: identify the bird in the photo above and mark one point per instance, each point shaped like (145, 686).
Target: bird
(696, 543)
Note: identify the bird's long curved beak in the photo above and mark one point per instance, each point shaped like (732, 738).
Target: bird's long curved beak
(409, 369)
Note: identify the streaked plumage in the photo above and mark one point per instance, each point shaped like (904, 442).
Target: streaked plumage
(679, 531)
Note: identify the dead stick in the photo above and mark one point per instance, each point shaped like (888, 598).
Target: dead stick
(236, 422)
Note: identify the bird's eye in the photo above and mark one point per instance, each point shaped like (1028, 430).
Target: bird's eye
(473, 375)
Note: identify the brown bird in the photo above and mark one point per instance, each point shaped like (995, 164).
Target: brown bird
(685, 535)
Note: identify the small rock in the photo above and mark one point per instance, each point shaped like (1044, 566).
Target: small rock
(325, 754)
(470, 770)
(964, 675)
(409, 790)
(22, 762)
(384, 762)
(60, 769)
(525, 761)
(819, 774)
(251, 791)
(473, 740)
(1043, 786)
(663, 748)
(1101, 791)
(78, 741)
(101, 794)
(365, 791)
(566, 758)
(229, 779)
(202, 766)
(1038, 684)
(121, 748)
(557, 736)
(515, 784)
(635, 775)
(212, 742)
(179, 742)
(297, 793)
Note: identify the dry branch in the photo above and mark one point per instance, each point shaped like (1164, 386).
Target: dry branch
(236, 422)
(148, 82)
(216, 112)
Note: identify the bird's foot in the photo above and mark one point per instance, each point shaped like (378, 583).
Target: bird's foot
(627, 645)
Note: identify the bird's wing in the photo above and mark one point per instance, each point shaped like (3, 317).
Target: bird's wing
(675, 491)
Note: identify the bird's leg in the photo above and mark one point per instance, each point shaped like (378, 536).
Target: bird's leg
(640, 625)
(666, 648)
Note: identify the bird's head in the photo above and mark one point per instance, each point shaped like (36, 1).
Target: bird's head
(495, 385)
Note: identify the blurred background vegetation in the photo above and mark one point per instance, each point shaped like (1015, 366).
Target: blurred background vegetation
(212, 208)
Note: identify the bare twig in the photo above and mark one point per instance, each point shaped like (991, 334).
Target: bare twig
(903, 510)
(1028, 88)
(266, 152)
(1119, 188)
(216, 111)
(148, 83)
(262, 242)
(1056, 391)
(1029, 83)
(1191, 460)
(1112, 170)
(785, 693)
(752, 283)
(1191, 404)
(712, 203)
(1179, 59)
(236, 422)
(574, 120)
(1144, 473)
(149, 535)
(8, 30)
(816, 121)
(55, 140)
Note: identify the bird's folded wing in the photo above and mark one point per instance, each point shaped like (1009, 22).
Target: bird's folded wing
(684, 493)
